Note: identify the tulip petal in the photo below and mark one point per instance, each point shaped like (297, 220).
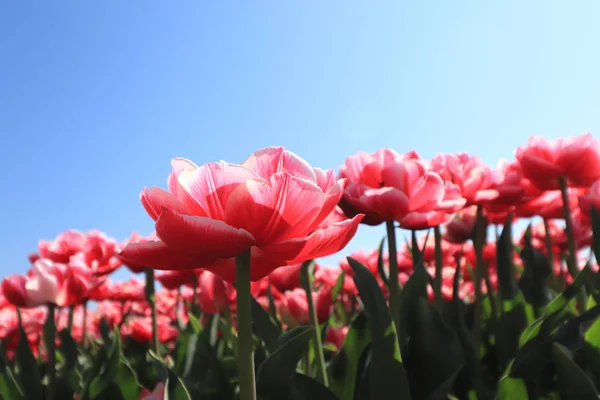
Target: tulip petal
(321, 242)
(210, 185)
(277, 210)
(157, 255)
(154, 199)
(271, 160)
(202, 236)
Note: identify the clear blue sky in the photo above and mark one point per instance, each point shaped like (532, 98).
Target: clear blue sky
(96, 97)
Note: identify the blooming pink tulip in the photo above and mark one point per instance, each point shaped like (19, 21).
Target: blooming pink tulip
(45, 283)
(272, 204)
(576, 158)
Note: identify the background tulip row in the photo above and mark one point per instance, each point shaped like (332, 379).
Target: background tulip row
(233, 304)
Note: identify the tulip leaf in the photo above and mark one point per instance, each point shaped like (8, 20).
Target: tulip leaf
(344, 368)
(276, 372)
(380, 264)
(434, 356)
(29, 377)
(573, 381)
(504, 261)
(109, 371)
(8, 385)
(127, 381)
(534, 280)
(68, 348)
(339, 285)
(387, 377)
(415, 288)
(304, 387)
(596, 232)
(264, 326)
(175, 389)
(194, 323)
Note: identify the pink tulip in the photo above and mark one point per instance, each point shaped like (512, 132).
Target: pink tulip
(45, 283)
(272, 204)
(576, 158)
(157, 394)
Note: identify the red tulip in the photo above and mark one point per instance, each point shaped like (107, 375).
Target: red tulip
(286, 278)
(214, 295)
(461, 226)
(576, 158)
(46, 283)
(99, 252)
(386, 186)
(591, 198)
(468, 172)
(336, 336)
(548, 205)
(273, 204)
(131, 290)
(293, 307)
(140, 329)
(157, 394)
(64, 246)
(135, 238)
(176, 279)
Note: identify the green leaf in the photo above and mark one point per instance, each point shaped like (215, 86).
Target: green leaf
(127, 381)
(264, 327)
(512, 388)
(339, 285)
(596, 232)
(415, 287)
(109, 370)
(275, 373)
(434, 356)
(387, 377)
(534, 280)
(504, 261)
(8, 386)
(380, 267)
(344, 368)
(194, 323)
(175, 389)
(304, 387)
(68, 348)
(29, 377)
(512, 322)
(573, 381)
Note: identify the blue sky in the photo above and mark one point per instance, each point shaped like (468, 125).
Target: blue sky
(97, 97)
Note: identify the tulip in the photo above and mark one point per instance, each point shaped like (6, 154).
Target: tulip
(242, 222)
(461, 226)
(157, 394)
(45, 283)
(589, 200)
(577, 159)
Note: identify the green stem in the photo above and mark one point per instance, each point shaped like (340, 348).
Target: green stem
(393, 274)
(195, 307)
(437, 282)
(84, 327)
(572, 262)
(478, 244)
(152, 303)
(50, 339)
(71, 316)
(312, 311)
(549, 253)
(245, 361)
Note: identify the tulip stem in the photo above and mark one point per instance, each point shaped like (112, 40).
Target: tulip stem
(437, 282)
(479, 243)
(245, 361)
(393, 274)
(71, 316)
(152, 303)
(314, 319)
(572, 262)
(50, 339)
(84, 322)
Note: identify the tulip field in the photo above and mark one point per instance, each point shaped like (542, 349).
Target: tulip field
(485, 286)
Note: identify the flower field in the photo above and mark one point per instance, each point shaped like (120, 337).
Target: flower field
(485, 286)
